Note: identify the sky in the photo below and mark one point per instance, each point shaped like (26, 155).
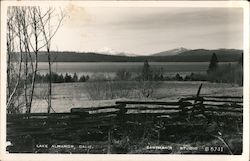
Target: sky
(148, 30)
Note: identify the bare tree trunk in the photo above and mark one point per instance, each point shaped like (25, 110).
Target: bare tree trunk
(33, 85)
(9, 41)
(35, 28)
(50, 83)
(11, 96)
(27, 57)
(10, 46)
(27, 23)
(26, 80)
(50, 73)
(48, 36)
(17, 83)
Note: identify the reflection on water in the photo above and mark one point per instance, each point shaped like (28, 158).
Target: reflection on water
(110, 68)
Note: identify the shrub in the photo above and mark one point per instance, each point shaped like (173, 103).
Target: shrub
(102, 90)
(227, 74)
(213, 65)
(158, 74)
(100, 77)
(84, 78)
(196, 77)
(75, 78)
(68, 78)
(56, 78)
(178, 77)
(123, 75)
(146, 72)
(146, 88)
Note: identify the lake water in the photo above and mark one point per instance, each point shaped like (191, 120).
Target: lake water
(169, 68)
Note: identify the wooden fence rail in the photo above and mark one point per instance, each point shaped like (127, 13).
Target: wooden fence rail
(98, 121)
(111, 115)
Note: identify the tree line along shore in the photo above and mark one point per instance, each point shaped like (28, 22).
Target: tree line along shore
(215, 73)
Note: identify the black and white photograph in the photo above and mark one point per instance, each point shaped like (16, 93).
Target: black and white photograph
(125, 78)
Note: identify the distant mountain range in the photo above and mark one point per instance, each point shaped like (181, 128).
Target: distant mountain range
(175, 55)
(109, 51)
(171, 52)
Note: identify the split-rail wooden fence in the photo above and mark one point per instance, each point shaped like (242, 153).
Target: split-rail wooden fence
(62, 125)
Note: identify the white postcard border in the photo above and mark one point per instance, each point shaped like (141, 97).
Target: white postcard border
(104, 157)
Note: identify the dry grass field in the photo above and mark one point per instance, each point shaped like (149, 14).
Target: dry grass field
(213, 133)
(68, 95)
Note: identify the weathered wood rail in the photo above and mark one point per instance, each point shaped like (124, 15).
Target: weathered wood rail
(22, 124)
(95, 123)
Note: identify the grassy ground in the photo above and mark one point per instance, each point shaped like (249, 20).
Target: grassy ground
(68, 95)
(141, 135)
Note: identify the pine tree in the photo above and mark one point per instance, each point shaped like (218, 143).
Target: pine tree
(75, 78)
(68, 78)
(146, 71)
(240, 61)
(213, 64)
(82, 78)
(178, 77)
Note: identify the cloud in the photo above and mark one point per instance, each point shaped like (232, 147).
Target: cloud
(76, 16)
(151, 29)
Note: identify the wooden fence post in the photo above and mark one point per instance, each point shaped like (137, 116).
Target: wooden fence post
(121, 115)
(109, 141)
(197, 98)
(182, 107)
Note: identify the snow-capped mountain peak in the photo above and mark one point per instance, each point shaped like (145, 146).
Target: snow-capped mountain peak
(171, 52)
(110, 51)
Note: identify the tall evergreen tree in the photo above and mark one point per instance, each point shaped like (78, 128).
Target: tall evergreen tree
(68, 78)
(146, 71)
(241, 60)
(75, 77)
(213, 64)
(82, 78)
